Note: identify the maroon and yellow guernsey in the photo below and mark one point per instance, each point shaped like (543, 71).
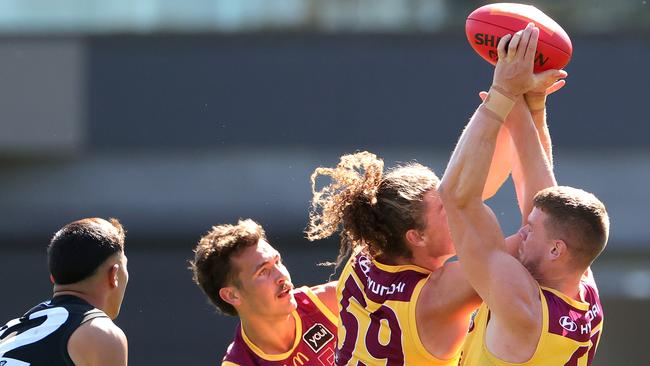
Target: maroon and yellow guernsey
(570, 331)
(313, 345)
(377, 315)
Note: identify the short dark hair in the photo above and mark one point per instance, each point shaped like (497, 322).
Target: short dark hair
(578, 218)
(79, 248)
(212, 266)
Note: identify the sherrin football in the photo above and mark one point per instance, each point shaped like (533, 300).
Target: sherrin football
(486, 25)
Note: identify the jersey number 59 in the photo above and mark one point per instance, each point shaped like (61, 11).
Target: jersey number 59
(390, 351)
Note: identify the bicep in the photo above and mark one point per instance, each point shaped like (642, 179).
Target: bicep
(500, 280)
(512, 293)
(451, 293)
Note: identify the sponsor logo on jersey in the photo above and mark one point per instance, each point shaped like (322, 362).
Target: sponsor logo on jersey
(298, 360)
(471, 320)
(373, 286)
(317, 337)
(568, 324)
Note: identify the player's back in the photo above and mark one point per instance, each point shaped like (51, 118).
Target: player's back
(570, 334)
(377, 318)
(40, 337)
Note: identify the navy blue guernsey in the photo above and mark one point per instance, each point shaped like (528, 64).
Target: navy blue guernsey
(40, 337)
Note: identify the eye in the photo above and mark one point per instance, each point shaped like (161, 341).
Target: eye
(264, 272)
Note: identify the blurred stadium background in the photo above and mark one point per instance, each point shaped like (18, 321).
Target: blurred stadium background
(176, 115)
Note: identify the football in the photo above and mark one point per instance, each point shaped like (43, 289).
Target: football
(486, 25)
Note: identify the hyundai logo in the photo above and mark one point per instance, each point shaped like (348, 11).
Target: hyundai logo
(568, 324)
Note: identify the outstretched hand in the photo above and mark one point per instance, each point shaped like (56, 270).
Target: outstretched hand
(513, 73)
(542, 90)
(550, 86)
(536, 98)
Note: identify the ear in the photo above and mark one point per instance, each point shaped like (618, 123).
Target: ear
(113, 279)
(52, 279)
(414, 238)
(230, 295)
(558, 249)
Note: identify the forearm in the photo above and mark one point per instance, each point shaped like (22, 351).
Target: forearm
(468, 167)
(537, 105)
(501, 165)
(532, 171)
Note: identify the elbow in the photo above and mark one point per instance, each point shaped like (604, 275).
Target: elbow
(453, 197)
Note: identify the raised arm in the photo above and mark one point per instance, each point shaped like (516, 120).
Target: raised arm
(532, 170)
(502, 282)
(505, 157)
(501, 165)
(526, 186)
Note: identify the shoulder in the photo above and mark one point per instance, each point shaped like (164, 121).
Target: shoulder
(318, 301)
(447, 291)
(238, 353)
(326, 293)
(98, 338)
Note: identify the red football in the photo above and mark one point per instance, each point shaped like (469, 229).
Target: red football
(487, 24)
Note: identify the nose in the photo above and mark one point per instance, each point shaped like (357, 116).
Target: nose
(281, 279)
(282, 275)
(523, 231)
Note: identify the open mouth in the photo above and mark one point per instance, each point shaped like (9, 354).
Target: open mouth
(286, 291)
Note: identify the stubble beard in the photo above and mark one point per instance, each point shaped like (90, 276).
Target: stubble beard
(533, 269)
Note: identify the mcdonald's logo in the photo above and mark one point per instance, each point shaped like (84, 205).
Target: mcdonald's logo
(299, 359)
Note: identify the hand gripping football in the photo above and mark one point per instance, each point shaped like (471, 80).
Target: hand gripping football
(486, 25)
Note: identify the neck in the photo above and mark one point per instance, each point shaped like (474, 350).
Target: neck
(418, 258)
(271, 335)
(89, 297)
(568, 285)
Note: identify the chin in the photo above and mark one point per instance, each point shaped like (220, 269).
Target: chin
(446, 254)
(293, 302)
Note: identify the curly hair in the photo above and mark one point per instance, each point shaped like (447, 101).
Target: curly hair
(212, 267)
(372, 210)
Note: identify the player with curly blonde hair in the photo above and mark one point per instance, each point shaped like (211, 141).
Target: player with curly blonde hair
(394, 226)
(401, 302)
